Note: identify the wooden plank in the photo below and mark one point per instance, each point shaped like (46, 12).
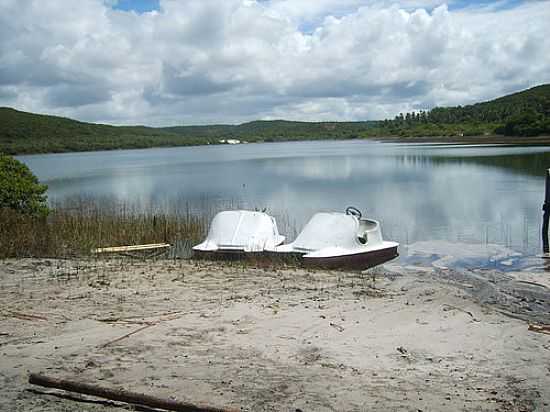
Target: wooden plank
(120, 395)
(133, 248)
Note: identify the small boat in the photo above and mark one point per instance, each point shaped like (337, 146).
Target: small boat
(241, 231)
(341, 241)
(332, 240)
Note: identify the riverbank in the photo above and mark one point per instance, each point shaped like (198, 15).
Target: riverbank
(232, 335)
(472, 140)
(466, 140)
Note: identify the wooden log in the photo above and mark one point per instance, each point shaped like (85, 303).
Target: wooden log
(539, 328)
(120, 395)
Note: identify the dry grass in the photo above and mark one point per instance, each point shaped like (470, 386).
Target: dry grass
(76, 227)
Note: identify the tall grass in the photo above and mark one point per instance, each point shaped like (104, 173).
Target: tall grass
(75, 227)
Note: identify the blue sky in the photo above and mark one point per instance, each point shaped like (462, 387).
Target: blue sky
(139, 6)
(501, 4)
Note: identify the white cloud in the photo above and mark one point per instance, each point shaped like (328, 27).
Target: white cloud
(203, 61)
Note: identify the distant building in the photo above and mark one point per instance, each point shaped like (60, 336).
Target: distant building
(229, 141)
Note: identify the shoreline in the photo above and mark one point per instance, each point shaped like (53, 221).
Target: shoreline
(444, 140)
(474, 140)
(231, 335)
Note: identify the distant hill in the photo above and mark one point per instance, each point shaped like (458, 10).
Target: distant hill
(22, 132)
(278, 130)
(526, 113)
(535, 100)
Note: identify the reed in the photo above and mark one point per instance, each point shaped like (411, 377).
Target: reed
(76, 226)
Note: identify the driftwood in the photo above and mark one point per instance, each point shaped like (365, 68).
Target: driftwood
(128, 334)
(21, 341)
(147, 324)
(540, 328)
(467, 312)
(139, 318)
(120, 395)
(26, 316)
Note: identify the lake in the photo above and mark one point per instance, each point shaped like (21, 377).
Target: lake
(461, 195)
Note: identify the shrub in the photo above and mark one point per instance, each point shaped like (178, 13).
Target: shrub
(20, 189)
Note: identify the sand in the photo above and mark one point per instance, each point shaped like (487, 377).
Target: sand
(235, 336)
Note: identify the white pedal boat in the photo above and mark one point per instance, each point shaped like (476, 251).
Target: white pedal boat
(241, 231)
(330, 240)
(341, 240)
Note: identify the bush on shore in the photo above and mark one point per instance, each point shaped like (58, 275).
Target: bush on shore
(20, 189)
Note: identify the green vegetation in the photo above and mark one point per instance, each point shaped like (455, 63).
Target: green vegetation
(23, 133)
(79, 225)
(525, 113)
(278, 130)
(20, 190)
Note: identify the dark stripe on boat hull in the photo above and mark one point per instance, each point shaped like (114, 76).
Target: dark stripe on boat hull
(358, 261)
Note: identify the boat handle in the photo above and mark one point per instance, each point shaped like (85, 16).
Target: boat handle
(350, 210)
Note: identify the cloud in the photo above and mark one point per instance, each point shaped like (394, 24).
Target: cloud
(67, 95)
(206, 61)
(190, 82)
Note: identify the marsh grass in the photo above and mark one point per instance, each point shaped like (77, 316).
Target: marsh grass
(78, 225)
(75, 227)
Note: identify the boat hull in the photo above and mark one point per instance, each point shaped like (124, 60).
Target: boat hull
(355, 261)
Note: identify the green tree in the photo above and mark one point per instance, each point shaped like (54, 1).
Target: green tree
(20, 189)
(523, 124)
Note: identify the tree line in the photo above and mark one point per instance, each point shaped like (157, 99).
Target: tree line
(525, 113)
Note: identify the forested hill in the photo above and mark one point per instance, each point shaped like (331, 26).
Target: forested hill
(535, 100)
(526, 113)
(22, 132)
(275, 130)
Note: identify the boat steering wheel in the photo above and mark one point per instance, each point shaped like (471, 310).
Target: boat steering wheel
(354, 212)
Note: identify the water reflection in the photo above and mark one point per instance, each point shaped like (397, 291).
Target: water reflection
(474, 195)
(530, 163)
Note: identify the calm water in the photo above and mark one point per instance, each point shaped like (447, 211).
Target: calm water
(477, 195)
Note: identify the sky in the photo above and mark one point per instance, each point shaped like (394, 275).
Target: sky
(182, 62)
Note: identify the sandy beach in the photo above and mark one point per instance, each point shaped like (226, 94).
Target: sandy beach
(265, 339)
